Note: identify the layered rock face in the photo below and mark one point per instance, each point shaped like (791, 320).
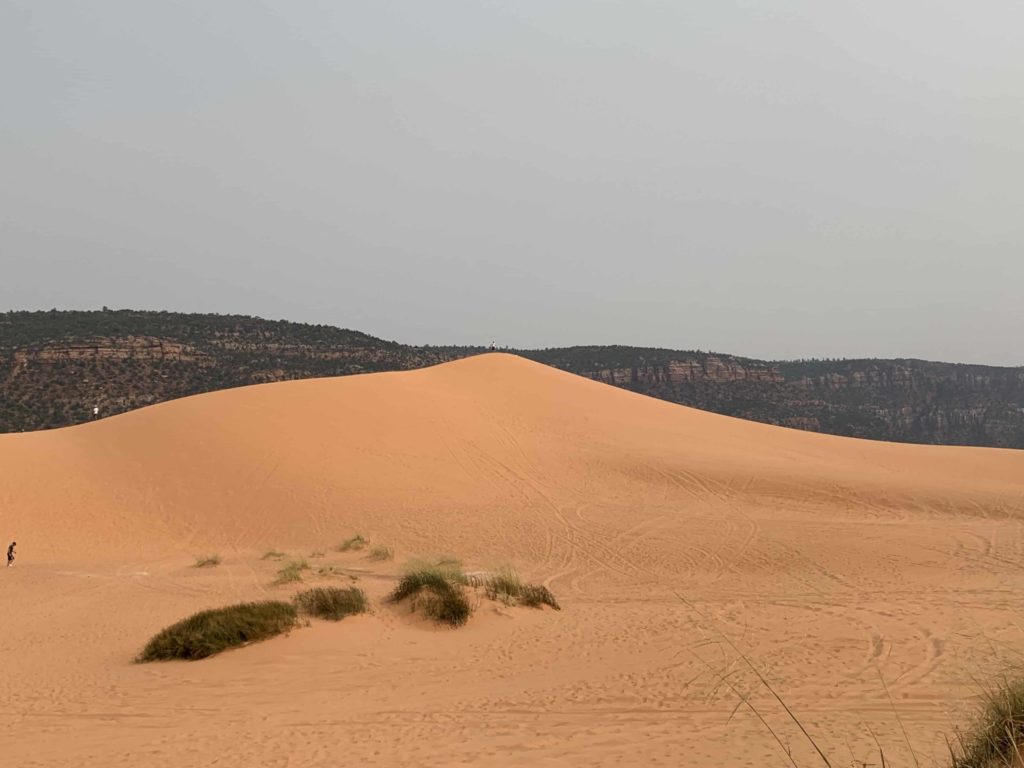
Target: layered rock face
(712, 368)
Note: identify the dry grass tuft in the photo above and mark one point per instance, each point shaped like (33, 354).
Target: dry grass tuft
(356, 543)
(996, 738)
(291, 572)
(332, 603)
(507, 587)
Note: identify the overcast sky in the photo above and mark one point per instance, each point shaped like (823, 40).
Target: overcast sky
(773, 179)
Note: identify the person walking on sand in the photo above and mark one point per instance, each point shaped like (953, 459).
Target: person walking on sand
(11, 553)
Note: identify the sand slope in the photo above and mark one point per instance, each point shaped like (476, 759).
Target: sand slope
(832, 563)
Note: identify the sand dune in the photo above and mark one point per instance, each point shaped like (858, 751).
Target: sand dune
(832, 563)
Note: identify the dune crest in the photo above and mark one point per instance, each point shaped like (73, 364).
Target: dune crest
(829, 560)
(245, 467)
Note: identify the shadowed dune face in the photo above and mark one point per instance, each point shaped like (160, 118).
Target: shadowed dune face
(829, 561)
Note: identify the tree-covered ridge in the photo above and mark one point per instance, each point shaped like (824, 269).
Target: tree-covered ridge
(55, 367)
(19, 329)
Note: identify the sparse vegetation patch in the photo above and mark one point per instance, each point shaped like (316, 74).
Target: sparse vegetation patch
(331, 603)
(381, 553)
(210, 632)
(207, 561)
(536, 595)
(356, 543)
(329, 570)
(507, 587)
(291, 572)
(272, 554)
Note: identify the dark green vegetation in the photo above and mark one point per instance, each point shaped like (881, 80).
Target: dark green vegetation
(331, 603)
(508, 588)
(210, 632)
(996, 738)
(437, 591)
(55, 366)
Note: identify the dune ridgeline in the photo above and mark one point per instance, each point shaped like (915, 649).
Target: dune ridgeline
(697, 560)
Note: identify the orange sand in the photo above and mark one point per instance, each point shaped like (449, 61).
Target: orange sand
(833, 564)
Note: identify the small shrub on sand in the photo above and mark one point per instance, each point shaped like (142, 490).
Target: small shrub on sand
(536, 595)
(291, 572)
(381, 553)
(996, 739)
(272, 554)
(207, 561)
(438, 592)
(356, 543)
(506, 586)
(331, 603)
(316, 553)
(210, 632)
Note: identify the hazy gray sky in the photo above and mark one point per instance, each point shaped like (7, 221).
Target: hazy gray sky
(775, 179)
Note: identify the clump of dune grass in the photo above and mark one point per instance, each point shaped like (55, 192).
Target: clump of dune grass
(506, 586)
(316, 553)
(356, 543)
(210, 632)
(536, 595)
(448, 561)
(446, 607)
(503, 585)
(381, 553)
(291, 572)
(207, 561)
(996, 738)
(437, 591)
(272, 554)
(448, 568)
(331, 603)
